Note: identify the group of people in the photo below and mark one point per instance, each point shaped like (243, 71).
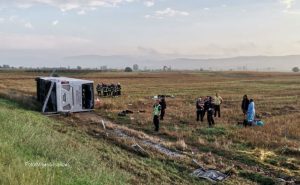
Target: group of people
(210, 106)
(109, 89)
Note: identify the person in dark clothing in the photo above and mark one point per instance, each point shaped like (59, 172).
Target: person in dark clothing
(99, 90)
(163, 105)
(205, 101)
(245, 104)
(113, 90)
(209, 107)
(105, 89)
(119, 89)
(200, 109)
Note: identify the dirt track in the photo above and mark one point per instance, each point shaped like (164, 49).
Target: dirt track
(148, 146)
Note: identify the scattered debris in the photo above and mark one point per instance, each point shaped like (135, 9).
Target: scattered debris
(258, 123)
(120, 133)
(144, 146)
(266, 114)
(285, 182)
(142, 111)
(125, 112)
(163, 96)
(162, 149)
(197, 163)
(122, 114)
(97, 103)
(140, 150)
(211, 175)
(156, 146)
(103, 124)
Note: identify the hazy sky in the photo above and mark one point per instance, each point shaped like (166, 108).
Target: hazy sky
(136, 27)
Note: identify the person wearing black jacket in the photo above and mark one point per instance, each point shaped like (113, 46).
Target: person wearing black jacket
(209, 107)
(200, 109)
(119, 89)
(163, 105)
(245, 104)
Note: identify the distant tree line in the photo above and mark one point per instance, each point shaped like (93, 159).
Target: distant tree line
(296, 69)
(104, 68)
(5, 66)
(135, 67)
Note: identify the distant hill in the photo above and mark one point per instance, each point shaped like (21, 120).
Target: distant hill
(277, 63)
(153, 61)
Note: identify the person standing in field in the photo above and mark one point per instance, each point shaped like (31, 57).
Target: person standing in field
(245, 104)
(200, 109)
(119, 89)
(156, 114)
(209, 107)
(163, 105)
(251, 112)
(206, 99)
(218, 100)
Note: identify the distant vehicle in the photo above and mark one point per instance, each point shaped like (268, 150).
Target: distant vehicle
(64, 95)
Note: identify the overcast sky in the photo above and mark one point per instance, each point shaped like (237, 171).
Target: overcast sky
(222, 28)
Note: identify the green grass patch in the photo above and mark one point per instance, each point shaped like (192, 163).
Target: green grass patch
(231, 155)
(258, 178)
(31, 152)
(214, 131)
(243, 146)
(29, 138)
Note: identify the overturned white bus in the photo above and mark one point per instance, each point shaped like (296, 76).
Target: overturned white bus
(63, 95)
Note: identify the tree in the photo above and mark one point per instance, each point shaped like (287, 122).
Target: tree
(6, 66)
(296, 69)
(79, 67)
(165, 68)
(135, 67)
(128, 69)
(103, 68)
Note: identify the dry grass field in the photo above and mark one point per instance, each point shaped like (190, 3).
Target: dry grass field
(255, 153)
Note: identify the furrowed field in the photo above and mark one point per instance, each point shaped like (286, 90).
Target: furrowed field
(255, 154)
